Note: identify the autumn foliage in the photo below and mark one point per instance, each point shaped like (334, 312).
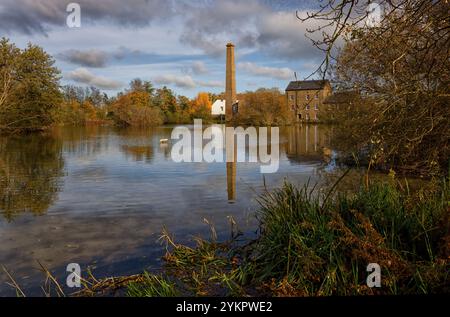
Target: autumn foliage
(134, 109)
(29, 88)
(201, 106)
(263, 107)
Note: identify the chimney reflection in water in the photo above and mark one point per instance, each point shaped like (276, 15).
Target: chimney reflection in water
(231, 177)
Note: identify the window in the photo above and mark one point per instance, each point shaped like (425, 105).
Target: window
(316, 107)
(316, 96)
(307, 107)
(316, 117)
(307, 97)
(291, 97)
(293, 108)
(235, 108)
(307, 116)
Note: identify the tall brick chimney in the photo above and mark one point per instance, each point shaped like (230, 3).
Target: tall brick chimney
(230, 83)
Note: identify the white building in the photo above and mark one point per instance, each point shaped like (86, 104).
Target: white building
(218, 108)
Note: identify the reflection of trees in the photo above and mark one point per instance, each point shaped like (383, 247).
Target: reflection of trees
(138, 143)
(138, 153)
(84, 141)
(30, 167)
(141, 144)
(136, 133)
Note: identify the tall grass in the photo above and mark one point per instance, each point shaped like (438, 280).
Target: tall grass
(310, 245)
(152, 286)
(317, 249)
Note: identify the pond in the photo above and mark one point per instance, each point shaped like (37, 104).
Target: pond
(101, 196)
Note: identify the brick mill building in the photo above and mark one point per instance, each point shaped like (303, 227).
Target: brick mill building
(306, 98)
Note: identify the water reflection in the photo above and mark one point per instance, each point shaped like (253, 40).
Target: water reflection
(30, 167)
(231, 176)
(121, 188)
(85, 141)
(139, 153)
(141, 144)
(308, 143)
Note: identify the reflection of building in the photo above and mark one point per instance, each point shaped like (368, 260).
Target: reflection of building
(231, 181)
(231, 176)
(306, 143)
(305, 98)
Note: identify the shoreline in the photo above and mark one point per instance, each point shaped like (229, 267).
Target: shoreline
(310, 246)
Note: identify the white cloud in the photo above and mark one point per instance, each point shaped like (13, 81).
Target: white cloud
(265, 32)
(185, 81)
(252, 24)
(95, 57)
(84, 76)
(211, 84)
(89, 58)
(28, 16)
(199, 68)
(195, 68)
(212, 25)
(284, 35)
(264, 71)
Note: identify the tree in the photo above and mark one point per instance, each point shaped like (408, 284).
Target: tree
(166, 100)
(29, 88)
(89, 110)
(183, 103)
(9, 56)
(401, 69)
(143, 86)
(263, 107)
(135, 109)
(201, 106)
(81, 105)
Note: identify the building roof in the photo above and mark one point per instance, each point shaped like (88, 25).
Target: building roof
(307, 85)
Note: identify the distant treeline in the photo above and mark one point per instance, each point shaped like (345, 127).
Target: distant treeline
(31, 99)
(139, 105)
(144, 105)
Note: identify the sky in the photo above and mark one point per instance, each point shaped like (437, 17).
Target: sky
(180, 44)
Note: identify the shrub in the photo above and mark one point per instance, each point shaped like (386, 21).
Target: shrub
(135, 109)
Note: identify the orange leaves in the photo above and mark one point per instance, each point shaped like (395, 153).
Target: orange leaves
(135, 98)
(201, 103)
(135, 109)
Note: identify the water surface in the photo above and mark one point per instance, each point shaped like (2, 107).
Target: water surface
(100, 197)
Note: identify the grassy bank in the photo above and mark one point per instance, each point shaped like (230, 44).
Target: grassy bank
(319, 246)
